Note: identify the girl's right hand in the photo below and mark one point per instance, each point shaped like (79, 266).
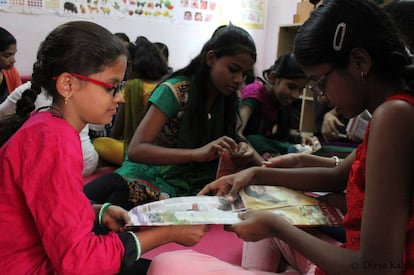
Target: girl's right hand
(292, 160)
(213, 149)
(257, 225)
(230, 184)
(188, 235)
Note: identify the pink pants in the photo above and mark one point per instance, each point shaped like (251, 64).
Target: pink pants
(260, 258)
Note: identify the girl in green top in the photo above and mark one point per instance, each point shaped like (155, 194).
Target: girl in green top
(191, 119)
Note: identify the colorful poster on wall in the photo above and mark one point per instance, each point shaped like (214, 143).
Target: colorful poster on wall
(148, 9)
(30, 6)
(243, 13)
(198, 11)
(137, 9)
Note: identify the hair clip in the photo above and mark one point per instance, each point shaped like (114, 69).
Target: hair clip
(340, 31)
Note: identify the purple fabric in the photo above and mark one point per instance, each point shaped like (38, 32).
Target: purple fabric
(268, 109)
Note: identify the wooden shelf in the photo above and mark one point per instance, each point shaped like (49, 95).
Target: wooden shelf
(286, 38)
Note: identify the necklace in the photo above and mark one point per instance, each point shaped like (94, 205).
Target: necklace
(55, 111)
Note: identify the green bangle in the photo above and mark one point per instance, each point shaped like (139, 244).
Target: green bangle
(102, 211)
(137, 245)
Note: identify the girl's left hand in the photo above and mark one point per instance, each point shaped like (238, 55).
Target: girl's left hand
(115, 218)
(244, 155)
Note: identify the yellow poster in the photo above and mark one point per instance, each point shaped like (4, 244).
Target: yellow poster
(243, 13)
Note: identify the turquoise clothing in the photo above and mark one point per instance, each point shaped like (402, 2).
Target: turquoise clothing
(183, 179)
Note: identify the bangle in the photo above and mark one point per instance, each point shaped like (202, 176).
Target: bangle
(137, 245)
(336, 159)
(102, 211)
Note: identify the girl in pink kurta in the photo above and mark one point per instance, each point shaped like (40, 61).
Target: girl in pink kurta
(47, 224)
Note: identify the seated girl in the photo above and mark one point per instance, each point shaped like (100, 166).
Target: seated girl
(269, 108)
(190, 120)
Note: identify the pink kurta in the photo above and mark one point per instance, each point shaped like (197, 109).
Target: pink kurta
(46, 220)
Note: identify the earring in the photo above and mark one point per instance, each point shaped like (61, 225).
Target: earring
(66, 100)
(363, 77)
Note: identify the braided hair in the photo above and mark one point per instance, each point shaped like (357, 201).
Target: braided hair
(78, 46)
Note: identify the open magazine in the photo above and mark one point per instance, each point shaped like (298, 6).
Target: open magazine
(297, 207)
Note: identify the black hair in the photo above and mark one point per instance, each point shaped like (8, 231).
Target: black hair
(163, 49)
(226, 41)
(148, 63)
(402, 13)
(78, 46)
(285, 67)
(122, 36)
(337, 26)
(6, 39)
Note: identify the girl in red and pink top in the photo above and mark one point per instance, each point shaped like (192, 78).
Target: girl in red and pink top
(47, 224)
(9, 76)
(351, 51)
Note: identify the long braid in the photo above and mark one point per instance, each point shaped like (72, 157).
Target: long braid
(24, 106)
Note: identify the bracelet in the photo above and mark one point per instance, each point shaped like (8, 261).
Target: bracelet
(336, 159)
(102, 211)
(137, 245)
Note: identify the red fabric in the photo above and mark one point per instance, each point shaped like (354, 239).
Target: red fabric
(12, 78)
(355, 193)
(99, 172)
(46, 220)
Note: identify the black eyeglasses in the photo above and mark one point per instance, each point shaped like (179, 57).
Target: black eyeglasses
(116, 88)
(317, 87)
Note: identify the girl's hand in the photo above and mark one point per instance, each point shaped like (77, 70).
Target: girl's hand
(213, 149)
(115, 218)
(244, 155)
(293, 160)
(188, 235)
(256, 225)
(230, 184)
(330, 126)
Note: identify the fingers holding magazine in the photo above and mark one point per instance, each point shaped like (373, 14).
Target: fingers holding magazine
(256, 225)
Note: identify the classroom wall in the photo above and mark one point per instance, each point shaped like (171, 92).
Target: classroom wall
(184, 40)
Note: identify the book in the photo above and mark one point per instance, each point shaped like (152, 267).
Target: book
(297, 207)
(357, 126)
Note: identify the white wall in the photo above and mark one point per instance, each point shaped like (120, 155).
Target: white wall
(184, 41)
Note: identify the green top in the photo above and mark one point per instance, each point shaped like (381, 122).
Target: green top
(183, 179)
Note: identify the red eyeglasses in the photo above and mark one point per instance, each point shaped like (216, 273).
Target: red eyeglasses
(116, 88)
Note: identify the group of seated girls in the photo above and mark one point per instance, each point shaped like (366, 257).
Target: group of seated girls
(172, 136)
(167, 157)
(356, 62)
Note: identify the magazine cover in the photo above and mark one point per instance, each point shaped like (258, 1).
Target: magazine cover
(297, 207)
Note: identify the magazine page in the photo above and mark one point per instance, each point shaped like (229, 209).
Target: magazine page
(298, 208)
(187, 210)
(227, 166)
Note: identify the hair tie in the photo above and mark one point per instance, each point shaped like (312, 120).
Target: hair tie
(340, 32)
